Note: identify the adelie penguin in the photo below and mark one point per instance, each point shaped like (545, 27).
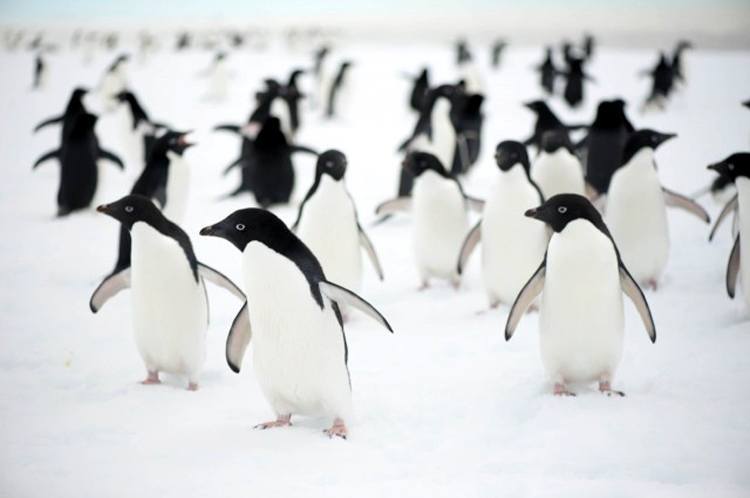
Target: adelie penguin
(114, 81)
(662, 83)
(293, 317)
(556, 169)
(338, 94)
(547, 72)
(737, 169)
(169, 302)
(142, 126)
(419, 89)
(440, 220)
(467, 118)
(328, 224)
(636, 208)
(497, 50)
(218, 78)
(680, 73)
(78, 155)
(40, 73)
(512, 245)
(72, 109)
(581, 281)
(292, 96)
(574, 79)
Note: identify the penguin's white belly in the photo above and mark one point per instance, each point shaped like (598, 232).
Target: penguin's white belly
(440, 225)
(328, 226)
(170, 311)
(581, 321)
(178, 187)
(636, 215)
(512, 245)
(298, 349)
(743, 191)
(443, 134)
(558, 173)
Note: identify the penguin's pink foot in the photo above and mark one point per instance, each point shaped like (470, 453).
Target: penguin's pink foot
(281, 421)
(153, 378)
(192, 386)
(456, 283)
(562, 390)
(337, 429)
(652, 284)
(606, 388)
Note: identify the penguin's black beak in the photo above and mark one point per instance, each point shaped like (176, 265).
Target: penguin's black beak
(104, 208)
(208, 231)
(532, 213)
(183, 140)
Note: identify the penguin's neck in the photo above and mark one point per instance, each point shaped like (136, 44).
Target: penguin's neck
(643, 160)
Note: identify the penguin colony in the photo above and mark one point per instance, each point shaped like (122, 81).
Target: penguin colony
(574, 219)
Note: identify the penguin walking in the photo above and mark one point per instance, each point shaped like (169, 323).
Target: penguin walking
(142, 127)
(557, 169)
(292, 96)
(548, 72)
(292, 314)
(636, 208)
(328, 224)
(169, 300)
(338, 94)
(581, 280)
(78, 155)
(497, 50)
(40, 72)
(113, 82)
(663, 77)
(319, 70)
(73, 107)
(574, 79)
(737, 169)
(506, 266)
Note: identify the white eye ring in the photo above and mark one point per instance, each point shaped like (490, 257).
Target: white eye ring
(128, 209)
(562, 210)
(240, 227)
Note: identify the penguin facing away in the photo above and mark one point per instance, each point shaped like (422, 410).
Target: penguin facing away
(548, 72)
(72, 108)
(662, 84)
(334, 95)
(497, 50)
(506, 265)
(574, 79)
(292, 314)
(556, 168)
(40, 72)
(169, 300)
(581, 280)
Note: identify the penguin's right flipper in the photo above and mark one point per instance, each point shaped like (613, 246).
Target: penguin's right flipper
(49, 155)
(239, 337)
(341, 295)
(218, 278)
(634, 292)
(728, 208)
(366, 244)
(393, 206)
(109, 156)
(470, 243)
(674, 199)
(302, 148)
(234, 163)
(733, 267)
(109, 288)
(47, 122)
(530, 291)
(229, 127)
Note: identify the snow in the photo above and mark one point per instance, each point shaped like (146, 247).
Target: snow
(444, 407)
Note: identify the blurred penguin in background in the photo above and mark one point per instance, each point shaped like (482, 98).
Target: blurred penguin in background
(218, 78)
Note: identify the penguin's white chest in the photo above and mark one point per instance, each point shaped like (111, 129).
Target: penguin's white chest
(280, 109)
(298, 348)
(581, 321)
(328, 226)
(512, 245)
(443, 142)
(178, 187)
(636, 215)
(557, 173)
(170, 311)
(743, 196)
(440, 224)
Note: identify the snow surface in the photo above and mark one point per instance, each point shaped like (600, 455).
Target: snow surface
(444, 407)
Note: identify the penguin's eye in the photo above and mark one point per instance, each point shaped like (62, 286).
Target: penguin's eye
(240, 227)
(730, 166)
(562, 210)
(128, 209)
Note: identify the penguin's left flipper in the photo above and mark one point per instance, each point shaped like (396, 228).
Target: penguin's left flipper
(109, 287)
(47, 122)
(341, 295)
(239, 337)
(528, 294)
(302, 148)
(228, 127)
(728, 208)
(470, 243)
(733, 268)
(634, 292)
(476, 205)
(366, 244)
(109, 156)
(49, 155)
(393, 206)
(674, 199)
(218, 278)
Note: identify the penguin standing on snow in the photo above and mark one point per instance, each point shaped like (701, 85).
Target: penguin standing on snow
(497, 50)
(636, 208)
(78, 155)
(574, 79)
(169, 300)
(292, 96)
(72, 109)
(548, 72)
(338, 93)
(292, 314)
(40, 72)
(419, 89)
(557, 169)
(142, 124)
(663, 77)
(737, 168)
(327, 223)
(114, 81)
(507, 266)
(581, 281)
(677, 65)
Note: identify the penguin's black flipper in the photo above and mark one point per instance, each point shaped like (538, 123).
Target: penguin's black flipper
(470, 243)
(673, 199)
(733, 267)
(366, 244)
(218, 278)
(109, 287)
(634, 292)
(228, 127)
(393, 206)
(341, 295)
(234, 163)
(238, 339)
(49, 155)
(530, 291)
(104, 154)
(56, 119)
(302, 148)
(476, 205)
(728, 208)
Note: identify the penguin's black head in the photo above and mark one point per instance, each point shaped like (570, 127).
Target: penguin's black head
(420, 162)
(553, 140)
(272, 85)
(746, 104)
(296, 73)
(561, 209)
(125, 96)
(176, 141)
(331, 163)
(509, 153)
(537, 106)
(683, 45)
(78, 93)
(246, 225)
(643, 139)
(734, 166)
(131, 209)
(346, 65)
(220, 56)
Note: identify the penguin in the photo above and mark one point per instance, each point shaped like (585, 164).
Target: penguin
(588, 46)
(547, 72)
(292, 95)
(72, 109)
(320, 56)
(292, 314)
(462, 52)
(574, 79)
(506, 266)
(218, 78)
(268, 171)
(419, 91)
(114, 81)
(439, 207)
(40, 72)
(546, 120)
(467, 118)
(567, 51)
(279, 107)
(663, 77)
(468, 70)
(557, 169)
(497, 49)
(338, 87)
(581, 280)
(169, 301)
(737, 168)
(78, 155)
(142, 124)
(636, 208)
(677, 66)
(183, 41)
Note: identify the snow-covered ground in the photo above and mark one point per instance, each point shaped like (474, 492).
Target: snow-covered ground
(444, 407)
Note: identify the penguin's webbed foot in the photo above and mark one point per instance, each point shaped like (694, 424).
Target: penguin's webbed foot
(606, 388)
(151, 379)
(562, 390)
(281, 421)
(337, 429)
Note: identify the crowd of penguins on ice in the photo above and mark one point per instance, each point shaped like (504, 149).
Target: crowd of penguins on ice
(567, 228)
